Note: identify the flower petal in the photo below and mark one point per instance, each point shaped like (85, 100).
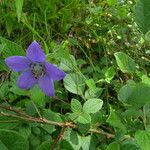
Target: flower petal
(47, 85)
(17, 63)
(26, 80)
(54, 72)
(35, 53)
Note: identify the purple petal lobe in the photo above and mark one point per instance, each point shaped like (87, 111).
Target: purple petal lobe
(26, 80)
(47, 85)
(17, 63)
(35, 53)
(54, 72)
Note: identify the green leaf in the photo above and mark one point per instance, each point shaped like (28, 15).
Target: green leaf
(97, 118)
(65, 145)
(18, 91)
(142, 15)
(36, 130)
(68, 64)
(61, 53)
(132, 113)
(74, 83)
(12, 140)
(2, 146)
(135, 94)
(115, 121)
(141, 94)
(84, 118)
(76, 106)
(45, 145)
(14, 78)
(147, 37)
(93, 94)
(113, 146)
(112, 2)
(50, 129)
(34, 141)
(73, 138)
(109, 74)
(2, 65)
(37, 95)
(83, 128)
(30, 108)
(73, 116)
(19, 5)
(8, 123)
(10, 48)
(4, 89)
(85, 142)
(125, 63)
(25, 130)
(91, 84)
(143, 138)
(145, 79)
(92, 105)
(50, 115)
(130, 144)
(125, 92)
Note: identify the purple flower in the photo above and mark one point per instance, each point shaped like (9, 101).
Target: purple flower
(35, 70)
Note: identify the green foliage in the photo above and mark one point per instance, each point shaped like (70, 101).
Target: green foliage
(37, 95)
(113, 146)
(45, 145)
(12, 140)
(112, 2)
(10, 48)
(142, 138)
(142, 15)
(115, 121)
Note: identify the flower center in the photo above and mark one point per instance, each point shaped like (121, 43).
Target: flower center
(37, 69)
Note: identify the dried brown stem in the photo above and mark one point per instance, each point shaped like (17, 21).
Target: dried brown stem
(14, 110)
(60, 136)
(22, 116)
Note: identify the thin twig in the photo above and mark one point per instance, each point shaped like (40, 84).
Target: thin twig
(102, 132)
(22, 116)
(14, 110)
(60, 136)
(36, 109)
(40, 120)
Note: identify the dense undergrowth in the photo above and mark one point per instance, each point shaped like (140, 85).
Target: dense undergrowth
(103, 102)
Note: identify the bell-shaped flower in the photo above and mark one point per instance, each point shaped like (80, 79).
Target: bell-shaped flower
(35, 70)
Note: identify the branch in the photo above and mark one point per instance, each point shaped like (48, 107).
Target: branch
(22, 116)
(14, 110)
(60, 136)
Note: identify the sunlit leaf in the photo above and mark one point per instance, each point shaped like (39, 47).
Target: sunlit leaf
(92, 105)
(74, 83)
(142, 15)
(76, 106)
(125, 63)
